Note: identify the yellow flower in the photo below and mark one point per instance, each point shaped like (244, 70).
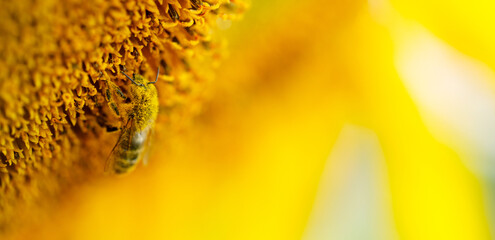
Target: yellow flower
(58, 58)
(330, 120)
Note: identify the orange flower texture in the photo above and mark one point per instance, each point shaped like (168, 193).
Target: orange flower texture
(247, 119)
(63, 85)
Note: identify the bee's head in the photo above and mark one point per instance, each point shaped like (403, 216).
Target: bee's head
(140, 81)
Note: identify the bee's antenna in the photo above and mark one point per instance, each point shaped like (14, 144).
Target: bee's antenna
(156, 79)
(132, 80)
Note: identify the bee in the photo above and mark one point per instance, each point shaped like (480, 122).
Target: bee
(139, 114)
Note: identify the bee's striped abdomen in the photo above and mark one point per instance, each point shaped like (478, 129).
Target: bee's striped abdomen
(130, 153)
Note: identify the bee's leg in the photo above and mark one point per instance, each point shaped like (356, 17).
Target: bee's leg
(119, 92)
(108, 96)
(111, 103)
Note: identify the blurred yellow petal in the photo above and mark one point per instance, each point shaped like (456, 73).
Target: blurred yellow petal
(467, 25)
(428, 180)
(353, 199)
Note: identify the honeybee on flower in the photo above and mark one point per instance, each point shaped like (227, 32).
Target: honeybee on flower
(139, 114)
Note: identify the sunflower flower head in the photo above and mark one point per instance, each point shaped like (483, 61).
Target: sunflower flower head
(58, 60)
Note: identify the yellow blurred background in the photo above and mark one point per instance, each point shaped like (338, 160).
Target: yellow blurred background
(329, 120)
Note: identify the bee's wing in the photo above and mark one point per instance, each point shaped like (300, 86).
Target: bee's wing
(111, 158)
(148, 145)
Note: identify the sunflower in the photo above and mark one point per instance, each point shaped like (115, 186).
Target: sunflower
(58, 59)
